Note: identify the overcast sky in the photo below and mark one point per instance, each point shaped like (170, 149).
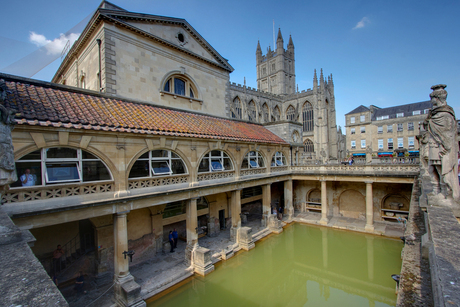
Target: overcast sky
(380, 52)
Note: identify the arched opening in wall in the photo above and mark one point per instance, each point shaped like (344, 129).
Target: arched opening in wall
(180, 85)
(215, 161)
(276, 114)
(290, 113)
(307, 117)
(278, 159)
(158, 163)
(60, 165)
(313, 200)
(395, 206)
(252, 114)
(253, 159)
(352, 204)
(308, 148)
(265, 113)
(236, 108)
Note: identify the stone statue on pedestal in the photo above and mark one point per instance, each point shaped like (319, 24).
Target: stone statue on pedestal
(439, 149)
(7, 169)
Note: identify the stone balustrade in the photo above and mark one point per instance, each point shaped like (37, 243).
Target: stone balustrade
(157, 181)
(25, 194)
(55, 191)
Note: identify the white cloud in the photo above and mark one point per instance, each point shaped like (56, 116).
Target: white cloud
(362, 23)
(53, 47)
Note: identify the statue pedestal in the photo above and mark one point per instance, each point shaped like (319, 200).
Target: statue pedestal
(274, 224)
(202, 261)
(245, 238)
(128, 292)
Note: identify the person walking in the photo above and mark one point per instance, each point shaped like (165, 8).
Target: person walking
(175, 237)
(171, 241)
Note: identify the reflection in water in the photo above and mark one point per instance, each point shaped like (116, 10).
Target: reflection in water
(303, 266)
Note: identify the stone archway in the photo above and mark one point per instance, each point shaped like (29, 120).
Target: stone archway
(352, 204)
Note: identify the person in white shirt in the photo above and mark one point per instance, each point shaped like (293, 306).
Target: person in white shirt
(27, 179)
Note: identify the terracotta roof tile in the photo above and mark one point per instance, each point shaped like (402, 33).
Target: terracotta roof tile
(51, 105)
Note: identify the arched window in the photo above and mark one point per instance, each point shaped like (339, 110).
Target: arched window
(252, 159)
(252, 111)
(180, 85)
(290, 113)
(276, 114)
(215, 161)
(158, 163)
(59, 165)
(307, 117)
(265, 113)
(308, 146)
(278, 159)
(236, 108)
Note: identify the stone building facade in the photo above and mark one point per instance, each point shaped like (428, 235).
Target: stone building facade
(385, 132)
(164, 60)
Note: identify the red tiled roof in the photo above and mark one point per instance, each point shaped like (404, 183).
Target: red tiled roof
(55, 106)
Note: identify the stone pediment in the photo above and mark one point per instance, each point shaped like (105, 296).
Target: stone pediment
(176, 32)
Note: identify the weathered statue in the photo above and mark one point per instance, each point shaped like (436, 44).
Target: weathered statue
(7, 168)
(439, 148)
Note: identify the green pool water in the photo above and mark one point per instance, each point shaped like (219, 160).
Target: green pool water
(302, 266)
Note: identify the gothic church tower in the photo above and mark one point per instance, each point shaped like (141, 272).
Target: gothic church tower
(276, 69)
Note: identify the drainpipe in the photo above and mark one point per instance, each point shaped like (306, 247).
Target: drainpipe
(100, 77)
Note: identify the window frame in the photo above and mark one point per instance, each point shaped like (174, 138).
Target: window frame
(46, 163)
(352, 131)
(391, 128)
(363, 144)
(390, 143)
(379, 129)
(190, 89)
(380, 144)
(400, 127)
(168, 159)
(400, 142)
(278, 159)
(362, 118)
(352, 119)
(353, 144)
(210, 157)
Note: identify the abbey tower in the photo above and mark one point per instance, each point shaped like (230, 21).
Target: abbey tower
(276, 69)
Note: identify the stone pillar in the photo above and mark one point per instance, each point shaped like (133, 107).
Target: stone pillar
(235, 203)
(127, 291)
(369, 208)
(192, 233)
(266, 201)
(288, 205)
(324, 219)
(370, 257)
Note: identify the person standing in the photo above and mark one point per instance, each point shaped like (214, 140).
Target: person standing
(280, 213)
(171, 241)
(175, 237)
(27, 179)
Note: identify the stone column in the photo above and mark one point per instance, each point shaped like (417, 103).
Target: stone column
(369, 208)
(288, 205)
(324, 219)
(127, 291)
(235, 203)
(266, 201)
(120, 231)
(192, 234)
